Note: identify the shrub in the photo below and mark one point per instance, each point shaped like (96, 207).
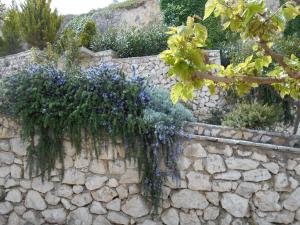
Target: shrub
(39, 23)
(87, 33)
(252, 116)
(11, 42)
(132, 41)
(175, 13)
(97, 105)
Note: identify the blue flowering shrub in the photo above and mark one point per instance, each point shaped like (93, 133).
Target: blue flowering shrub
(98, 106)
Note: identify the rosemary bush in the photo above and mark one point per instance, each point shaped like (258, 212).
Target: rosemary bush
(98, 106)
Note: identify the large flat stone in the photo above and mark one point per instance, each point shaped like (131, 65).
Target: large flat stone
(235, 205)
(189, 199)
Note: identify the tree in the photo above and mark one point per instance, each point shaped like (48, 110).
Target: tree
(254, 23)
(39, 23)
(2, 9)
(11, 40)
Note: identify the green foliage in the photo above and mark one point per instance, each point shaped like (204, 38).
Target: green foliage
(292, 27)
(215, 118)
(127, 4)
(78, 23)
(132, 41)
(39, 23)
(175, 13)
(252, 116)
(11, 42)
(68, 46)
(87, 34)
(2, 9)
(93, 108)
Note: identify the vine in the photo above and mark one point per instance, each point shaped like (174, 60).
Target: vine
(92, 108)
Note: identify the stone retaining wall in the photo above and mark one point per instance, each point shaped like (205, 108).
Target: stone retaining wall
(223, 182)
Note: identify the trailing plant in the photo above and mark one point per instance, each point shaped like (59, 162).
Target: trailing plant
(253, 116)
(39, 23)
(11, 34)
(132, 41)
(93, 108)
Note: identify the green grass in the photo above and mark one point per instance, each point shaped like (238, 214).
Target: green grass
(129, 4)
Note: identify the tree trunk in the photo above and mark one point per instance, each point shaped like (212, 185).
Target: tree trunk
(296, 125)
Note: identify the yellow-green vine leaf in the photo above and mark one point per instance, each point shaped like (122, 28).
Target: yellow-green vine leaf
(176, 92)
(209, 8)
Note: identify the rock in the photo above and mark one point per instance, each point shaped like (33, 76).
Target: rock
(116, 167)
(246, 189)
(281, 182)
(257, 175)
(267, 201)
(183, 163)
(77, 189)
(33, 218)
(4, 171)
(259, 157)
(226, 220)
(35, 201)
(135, 207)
(194, 150)
(56, 216)
(170, 217)
(282, 217)
(97, 208)
(5, 208)
(81, 200)
(66, 203)
(221, 186)
(7, 157)
(118, 218)
(229, 175)
(213, 197)
(189, 219)
(80, 216)
(292, 203)
(130, 177)
(122, 191)
(114, 205)
(18, 146)
(95, 182)
(97, 166)
(73, 177)
(42, 186)
(105, 194)
(15, 171)
(14, 196)
(211, 213)
(291, 164)
(14, 219)
(63, 191)
(241, 164)
(149, 222)
(235, 205)
(214, 164)
(297, 169)
(272, 167)
(198, 181)
(189, 199)
(112, 183)
(297, 216)
(69, 148)
(51, 199)
(198, 165)
(4, 145)
(101, 220)
(82, 160)
(20, 209)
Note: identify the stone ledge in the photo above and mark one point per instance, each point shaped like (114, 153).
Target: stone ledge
(254, 136)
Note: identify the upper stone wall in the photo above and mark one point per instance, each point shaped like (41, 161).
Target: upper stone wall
(150, 67)
(222, 182)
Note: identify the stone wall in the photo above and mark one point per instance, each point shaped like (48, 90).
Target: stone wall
(222, 183)
(150, 67)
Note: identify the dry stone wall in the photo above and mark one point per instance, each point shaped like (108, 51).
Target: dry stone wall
(223, 182)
